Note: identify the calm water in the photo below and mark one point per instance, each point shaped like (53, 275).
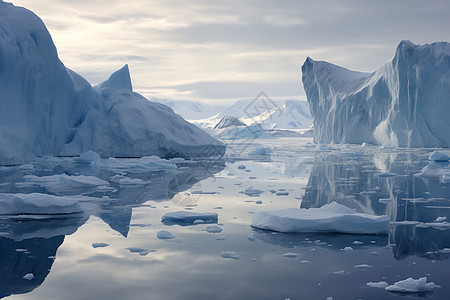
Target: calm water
(137, 265)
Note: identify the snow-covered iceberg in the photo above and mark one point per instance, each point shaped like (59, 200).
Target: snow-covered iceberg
(47, 109)
(331, 217)
(404, 103)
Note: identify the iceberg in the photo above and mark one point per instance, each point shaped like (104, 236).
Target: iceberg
(37, 204)
(47, 109)
(331, 217)
(411, 285)
(402, 104)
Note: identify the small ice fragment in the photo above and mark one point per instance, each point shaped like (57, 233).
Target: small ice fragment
(253, 192)
(363, 266)
(188, 217)
(305, 262)
(88, 158)
(380, 284)
(255, 259)
(329, 298)
(164, 235)
(357, 243)
(341, 272)
(411, 285)
(348, 249)
(28, 276)
(290, 255)
(241, 167)
(99, 245)
(213, 229)
(439, 156)
(441, 219)
(229, 254)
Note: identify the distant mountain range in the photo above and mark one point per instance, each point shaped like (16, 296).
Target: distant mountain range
(269, 114)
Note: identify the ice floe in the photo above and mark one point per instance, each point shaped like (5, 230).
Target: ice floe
(229, 254)
(188, 217)
(164, 235)
(331, 217)
(411, 285)
(37, 204)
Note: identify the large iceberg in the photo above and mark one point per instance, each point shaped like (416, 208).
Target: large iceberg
(47, 109)
(404, 104)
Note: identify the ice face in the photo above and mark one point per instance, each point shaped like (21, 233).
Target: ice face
(404, 103)
(46, 109)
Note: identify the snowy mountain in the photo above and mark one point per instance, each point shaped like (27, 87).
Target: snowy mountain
(46, 109)
(228, 121)
(278, 114)
(190, 110)
(405, 103)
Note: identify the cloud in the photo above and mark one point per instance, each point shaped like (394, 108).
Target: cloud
(200, 49)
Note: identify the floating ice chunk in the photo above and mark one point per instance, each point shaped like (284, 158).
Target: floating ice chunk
(441, 219)
(213, 229)
(253, 192)
(384, 174)
(347, 249)
(143, 164)
(290, 255)
(357, 243)
(411, 285)
(363, 266)
(188, 217)
(140, 251)
(88, 158)
(37, 204)
(62, 183)
(439, 156)
(331, 217)
(380, 284)
(229, 254)
(127, 181)
(164, 235)
(99, 245)
(305, 262)
(261, 151)
(28, 276)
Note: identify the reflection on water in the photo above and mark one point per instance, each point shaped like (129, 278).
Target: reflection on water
(350, 179)
(127, 215)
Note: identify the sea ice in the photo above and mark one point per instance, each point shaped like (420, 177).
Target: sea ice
(229, 254)
(213, 229)
(331, 217)
(164, 235)
(253, 192)
(380, 284)
(88, 158)
(37, 204)
(188, 217)
(28, 276)
(99, 245)
(62, 183)
(411, 285)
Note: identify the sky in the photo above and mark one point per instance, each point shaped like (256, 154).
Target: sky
(221, 51)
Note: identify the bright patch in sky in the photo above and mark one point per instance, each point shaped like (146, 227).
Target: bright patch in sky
(229, 50)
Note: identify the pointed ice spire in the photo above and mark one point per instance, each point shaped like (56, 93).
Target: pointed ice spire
(118, 80)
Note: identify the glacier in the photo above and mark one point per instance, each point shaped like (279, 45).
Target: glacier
(47, 109)
(405, 103)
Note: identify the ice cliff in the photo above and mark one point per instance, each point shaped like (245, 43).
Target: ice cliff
(47, 109)
(404, 104)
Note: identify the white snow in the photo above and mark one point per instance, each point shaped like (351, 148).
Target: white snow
(46, 109)
(37, 204)
(403, 104)
(164, 235)
(411, 285)
(189, 217)
(331, 217)
(229, 254)
(380, 284)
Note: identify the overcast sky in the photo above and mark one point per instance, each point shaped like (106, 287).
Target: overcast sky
(220, 51)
